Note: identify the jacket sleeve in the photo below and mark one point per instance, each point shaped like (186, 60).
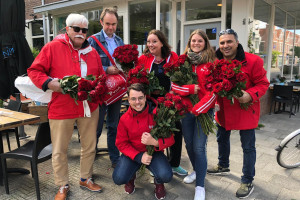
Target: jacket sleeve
(94, 44)
(206, 103)
(122, 141)
(259, 80)
(165, 143)
(39, 70)
(183, 90)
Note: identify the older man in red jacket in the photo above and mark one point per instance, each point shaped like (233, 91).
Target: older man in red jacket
(232, 117)
(69, 54)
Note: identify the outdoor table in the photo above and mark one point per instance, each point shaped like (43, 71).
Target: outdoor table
(12, 119)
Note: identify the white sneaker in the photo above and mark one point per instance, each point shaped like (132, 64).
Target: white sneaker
(190, 178)
(199, 193)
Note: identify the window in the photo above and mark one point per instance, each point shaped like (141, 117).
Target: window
(141, 20)
(202, 9)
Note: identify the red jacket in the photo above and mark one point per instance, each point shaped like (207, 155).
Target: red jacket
(147, 60)
(130, 129)
(207, 99)
(232, 117)
(56, 60)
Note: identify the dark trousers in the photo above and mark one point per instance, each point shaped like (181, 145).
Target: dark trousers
(175, 149)
(247, 138)
(159, 166)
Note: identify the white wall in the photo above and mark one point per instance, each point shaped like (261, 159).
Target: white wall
(242, 19)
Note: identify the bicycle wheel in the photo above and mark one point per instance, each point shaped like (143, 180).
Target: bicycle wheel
(289, 155)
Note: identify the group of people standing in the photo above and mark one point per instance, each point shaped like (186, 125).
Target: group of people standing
(73, 54)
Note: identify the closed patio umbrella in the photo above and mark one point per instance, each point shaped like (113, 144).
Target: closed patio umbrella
(16, 55)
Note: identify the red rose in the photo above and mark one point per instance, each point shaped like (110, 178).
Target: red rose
(144, 72)
(241, 77)
(179, 106)
(82, 95)
(210, 66)
(100, 89)
(177, 99)
(217, 87)
(169, 96)
(182, 59)
(210, 79)
(227, 85)
(144, 80)
(209, 86)
(230, 73)
(84, 85)
(168, 104)
(94, 96)
(134, 71)
(160, 99)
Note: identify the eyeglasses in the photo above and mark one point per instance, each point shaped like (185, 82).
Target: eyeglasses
(77, 29)
(228, 31)
(139, 99)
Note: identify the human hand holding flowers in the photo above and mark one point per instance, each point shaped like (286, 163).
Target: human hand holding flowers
(147, 139)
(146, 158)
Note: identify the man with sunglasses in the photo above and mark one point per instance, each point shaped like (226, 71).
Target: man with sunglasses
(233, 117)
(69, 54)
(110, 41)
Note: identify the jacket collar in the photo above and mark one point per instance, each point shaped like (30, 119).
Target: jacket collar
(64, 38)
(135, 113)
(240, 55)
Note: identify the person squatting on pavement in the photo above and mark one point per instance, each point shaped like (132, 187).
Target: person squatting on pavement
(132, 137)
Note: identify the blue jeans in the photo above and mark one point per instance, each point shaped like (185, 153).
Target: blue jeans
(195, 143)
(112, 121)
(159, 166)
(247, 138)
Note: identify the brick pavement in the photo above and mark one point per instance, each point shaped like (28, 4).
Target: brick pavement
(271, 181)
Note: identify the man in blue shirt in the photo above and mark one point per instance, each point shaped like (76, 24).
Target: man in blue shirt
(108, 38)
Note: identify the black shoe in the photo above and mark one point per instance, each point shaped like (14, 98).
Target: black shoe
(218, 170)
(245, 190)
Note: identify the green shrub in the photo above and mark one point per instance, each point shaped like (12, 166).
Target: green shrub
(35, 51)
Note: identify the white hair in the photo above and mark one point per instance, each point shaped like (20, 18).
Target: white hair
(77, 19)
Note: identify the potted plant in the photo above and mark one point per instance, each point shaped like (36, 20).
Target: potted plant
(297, 78)
(281, 79)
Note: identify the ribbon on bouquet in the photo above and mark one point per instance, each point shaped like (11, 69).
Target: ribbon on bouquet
(86, 108)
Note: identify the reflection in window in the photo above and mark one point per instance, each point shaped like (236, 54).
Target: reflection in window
(202, 9)
(37, 28)
(260, 29)
(165, 18)
(141, 20)
(211, 33)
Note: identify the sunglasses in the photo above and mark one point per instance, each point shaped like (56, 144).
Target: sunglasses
(77, 29)
(228, 31)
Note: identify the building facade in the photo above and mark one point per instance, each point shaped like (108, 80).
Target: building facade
(177, 19)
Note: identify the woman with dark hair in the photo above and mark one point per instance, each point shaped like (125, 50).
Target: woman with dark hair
(199, 53)
(156, 54)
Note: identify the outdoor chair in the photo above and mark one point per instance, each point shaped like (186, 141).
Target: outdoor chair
(36, 151)
(15, 106)
(283, 94)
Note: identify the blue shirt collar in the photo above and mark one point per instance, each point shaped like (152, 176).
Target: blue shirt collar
(106, 37)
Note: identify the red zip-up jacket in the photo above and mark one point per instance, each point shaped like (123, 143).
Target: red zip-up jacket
(207, 99)
(232, 117)
(130, 129)
(58, 59)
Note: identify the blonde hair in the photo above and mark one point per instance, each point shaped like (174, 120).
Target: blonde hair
(207, 51)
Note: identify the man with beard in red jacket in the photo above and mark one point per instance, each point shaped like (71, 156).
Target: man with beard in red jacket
(69, 54)
(233, 117)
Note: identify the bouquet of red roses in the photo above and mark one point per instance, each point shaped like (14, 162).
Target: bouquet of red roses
(126, 56)
(89, 88)
(140, 75)
(226, 79)
(170, 110)
(181, 73)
